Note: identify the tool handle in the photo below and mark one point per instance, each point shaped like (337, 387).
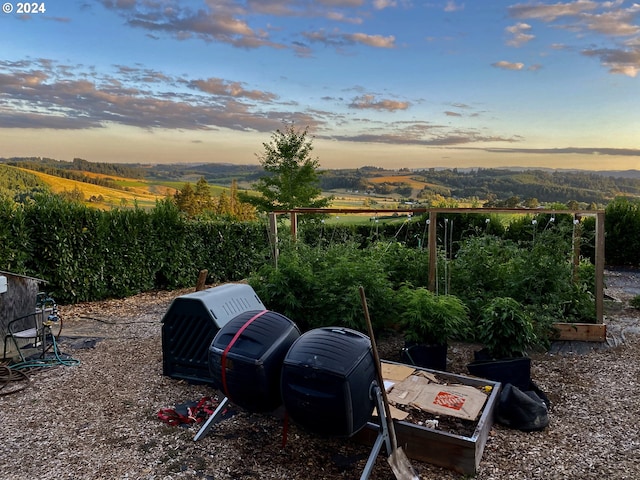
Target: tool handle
(376, 359)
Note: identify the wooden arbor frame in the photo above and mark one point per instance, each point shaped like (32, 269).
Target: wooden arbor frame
(566, 331)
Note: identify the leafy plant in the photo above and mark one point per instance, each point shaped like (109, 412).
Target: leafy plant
(635, 302)
(432, 319)
(318, 287)
(505, 328)
(622, 224)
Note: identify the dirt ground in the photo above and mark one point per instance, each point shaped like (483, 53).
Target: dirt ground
(98, 419)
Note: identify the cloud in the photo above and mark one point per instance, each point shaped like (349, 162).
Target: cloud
(438, 140)
(508, 65)
(219, 22)
(585, 18)
(519, 34)
(619, 61)
(422, 134)
(338, 39)
(42, 94)
(617, 23)
(230, 21)
(370, 102)
(632, 152)
(452, 6)
(377, 41)
(449, 113)
(218, 86)
(548, 13)
(382, 4)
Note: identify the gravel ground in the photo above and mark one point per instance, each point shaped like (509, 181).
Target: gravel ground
(98, 419)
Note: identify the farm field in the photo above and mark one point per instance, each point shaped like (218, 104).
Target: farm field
(142, 192)
(104, 197)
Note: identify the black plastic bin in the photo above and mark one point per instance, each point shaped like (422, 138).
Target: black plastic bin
(191, 322)
(246, 355)
(326, 381)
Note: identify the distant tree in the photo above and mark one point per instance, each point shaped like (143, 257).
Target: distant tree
(202, 196)
(531, 203)
(185, 199)
(75, 195)
(292, 178)
(224, 204)
(235, 206)
(512, 202)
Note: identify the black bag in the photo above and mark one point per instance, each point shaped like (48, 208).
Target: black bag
(523, 410)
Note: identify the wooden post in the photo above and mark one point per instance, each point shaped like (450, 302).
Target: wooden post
(433, 249)
(273, 236)
(599, 267)
(577, 235)
(294, 226)
(202, 280)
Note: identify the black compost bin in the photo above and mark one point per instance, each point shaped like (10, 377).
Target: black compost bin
(191, 322)
(246, 355)
(326, 381)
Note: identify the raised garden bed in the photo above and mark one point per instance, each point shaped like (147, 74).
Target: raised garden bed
(455, 444)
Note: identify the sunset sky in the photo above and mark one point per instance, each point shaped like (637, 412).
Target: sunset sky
(390, 83)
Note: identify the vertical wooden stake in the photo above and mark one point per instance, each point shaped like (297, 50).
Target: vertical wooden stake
(577, 235)
(599, 267)
(433, 251)
(202, 280)
(294, 226)
(273, 236)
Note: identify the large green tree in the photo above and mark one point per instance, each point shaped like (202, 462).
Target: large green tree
(292, 174)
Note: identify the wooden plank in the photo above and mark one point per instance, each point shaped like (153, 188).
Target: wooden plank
(583, 332)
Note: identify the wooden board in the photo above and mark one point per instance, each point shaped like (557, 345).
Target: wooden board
(455, 452)
(584, 332)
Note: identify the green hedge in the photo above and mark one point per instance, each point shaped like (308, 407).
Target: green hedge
(87, 254)
(622, 232)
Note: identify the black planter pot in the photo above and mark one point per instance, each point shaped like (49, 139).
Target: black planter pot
(429, 356)
(516, 371)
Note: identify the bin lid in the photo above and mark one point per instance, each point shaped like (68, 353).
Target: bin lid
(335, 350)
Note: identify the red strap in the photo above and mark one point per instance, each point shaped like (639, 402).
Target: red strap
(170, 416)
(226, 350)
(197, 414)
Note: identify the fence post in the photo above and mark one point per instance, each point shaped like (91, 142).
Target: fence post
(599, 267)
(273, 236)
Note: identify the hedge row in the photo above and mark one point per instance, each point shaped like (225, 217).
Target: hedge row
(87, 254)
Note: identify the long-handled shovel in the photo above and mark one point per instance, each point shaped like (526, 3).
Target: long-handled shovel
(400, 465)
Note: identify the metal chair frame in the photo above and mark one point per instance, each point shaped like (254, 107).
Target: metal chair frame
(45, 315)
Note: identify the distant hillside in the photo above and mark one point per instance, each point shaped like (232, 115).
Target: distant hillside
(543, 185)
(516, 184)
(18, 183)
(99, 195)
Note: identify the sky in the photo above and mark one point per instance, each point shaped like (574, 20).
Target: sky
(387, 83)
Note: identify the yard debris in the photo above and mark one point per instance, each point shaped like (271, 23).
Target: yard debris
(426, 393)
